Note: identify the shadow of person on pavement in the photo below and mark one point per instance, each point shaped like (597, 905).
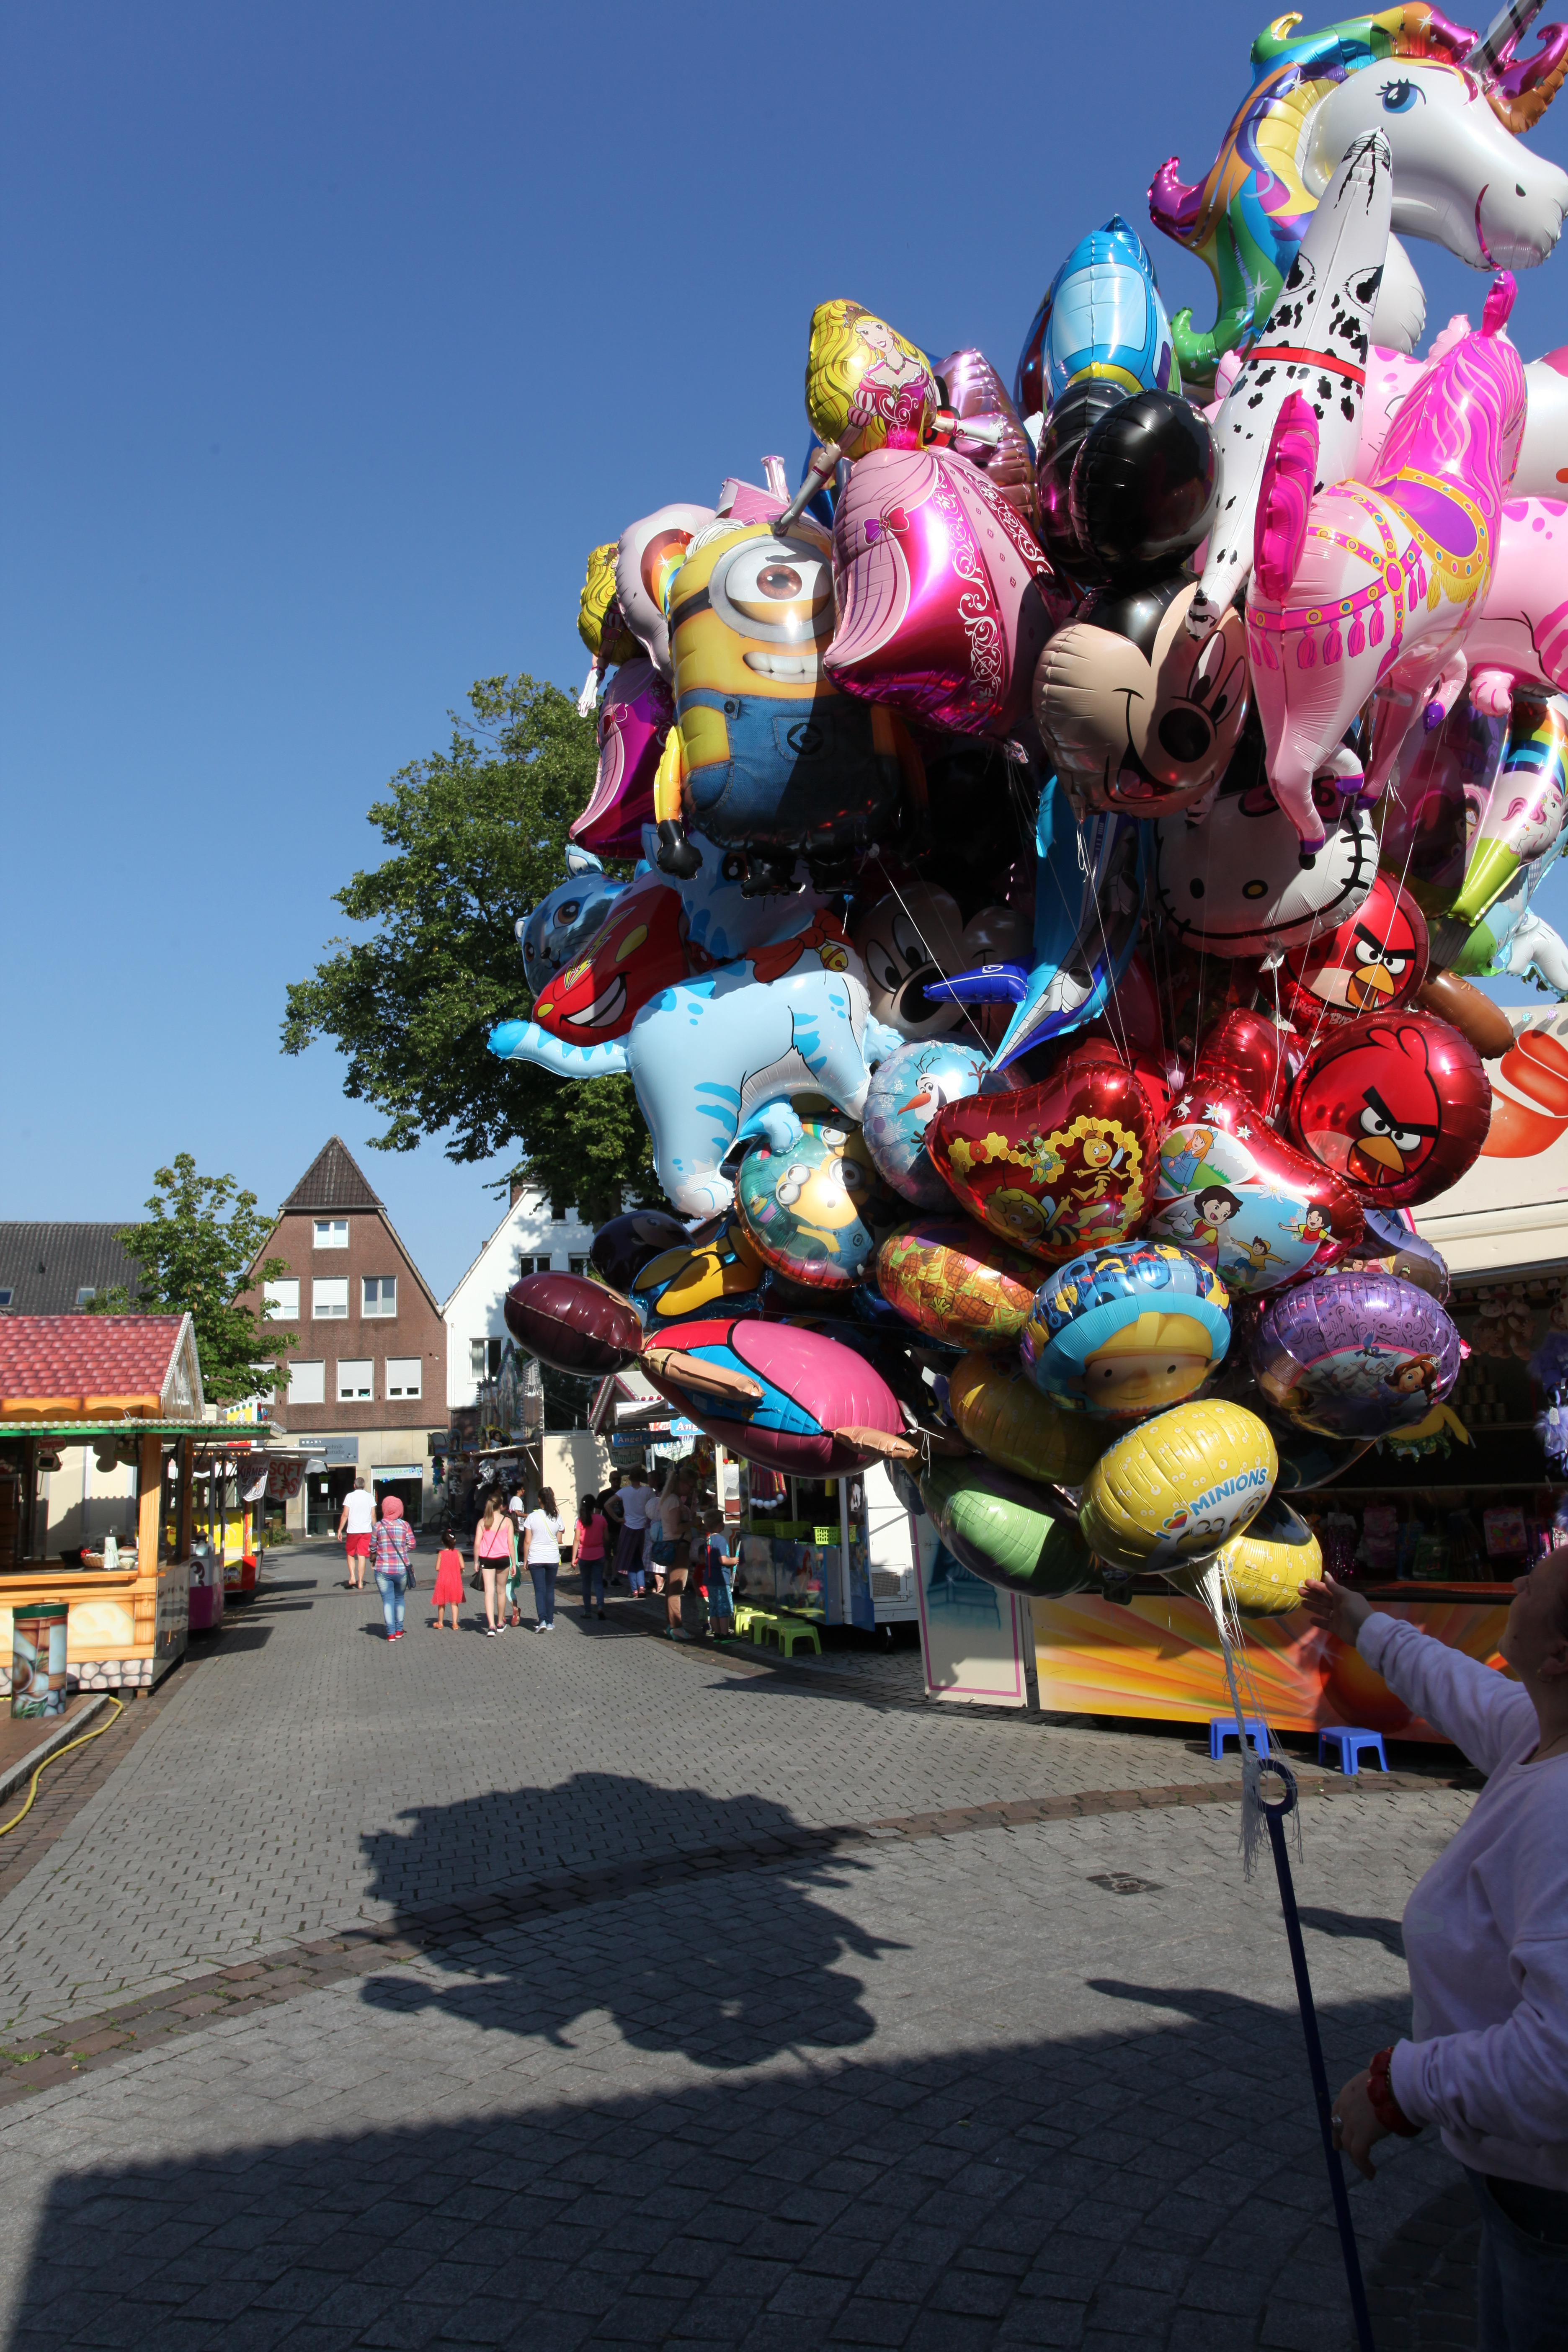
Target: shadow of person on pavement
(723, 2002)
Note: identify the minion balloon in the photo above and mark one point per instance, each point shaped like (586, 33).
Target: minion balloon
(1171, 1494)
(766, 758)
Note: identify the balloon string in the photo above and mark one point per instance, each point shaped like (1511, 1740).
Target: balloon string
(933, 957)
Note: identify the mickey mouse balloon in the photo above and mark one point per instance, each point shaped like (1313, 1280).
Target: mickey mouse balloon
(1397, 1104)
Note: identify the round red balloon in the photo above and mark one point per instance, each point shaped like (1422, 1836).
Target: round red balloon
(1252, 1052)
(1398, 1105)
(575, 1324)
(1373, 960)
(1057, 1168)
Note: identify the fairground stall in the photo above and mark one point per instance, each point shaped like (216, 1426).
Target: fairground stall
(125, 1390)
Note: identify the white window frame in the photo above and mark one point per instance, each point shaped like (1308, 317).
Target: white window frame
(532, 1262)
(305, 1391)
(330, 1310)
(395, 1377)
(381, 1312)
(276, 1307)
(360, 1380)
(332, 1233)
(577, 1265)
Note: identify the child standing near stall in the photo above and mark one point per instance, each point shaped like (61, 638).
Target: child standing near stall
(449, 1580)
(719, 1562)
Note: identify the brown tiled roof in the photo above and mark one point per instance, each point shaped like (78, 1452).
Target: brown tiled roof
(333, 1182)
(45, 1266)
(72, 1358)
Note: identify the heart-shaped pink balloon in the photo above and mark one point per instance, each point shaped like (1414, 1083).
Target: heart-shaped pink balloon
(944, 598)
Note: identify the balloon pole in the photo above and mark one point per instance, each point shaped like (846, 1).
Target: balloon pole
(1275, 1815)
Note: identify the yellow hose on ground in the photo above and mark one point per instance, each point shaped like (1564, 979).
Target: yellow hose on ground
(54, 1757)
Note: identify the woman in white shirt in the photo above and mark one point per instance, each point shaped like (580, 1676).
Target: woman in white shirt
(1486, 1939)
(541, 1553)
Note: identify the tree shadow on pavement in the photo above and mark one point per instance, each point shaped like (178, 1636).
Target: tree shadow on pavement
(789, 1992)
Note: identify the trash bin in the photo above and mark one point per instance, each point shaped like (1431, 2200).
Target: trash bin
(38, 1657)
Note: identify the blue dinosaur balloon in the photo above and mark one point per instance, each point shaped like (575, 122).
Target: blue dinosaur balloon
(1102, 317)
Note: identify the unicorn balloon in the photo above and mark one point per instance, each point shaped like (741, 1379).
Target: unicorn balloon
(1451, 108)
(1371, 588)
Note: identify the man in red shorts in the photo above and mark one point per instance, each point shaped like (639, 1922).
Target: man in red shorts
(354, 1525)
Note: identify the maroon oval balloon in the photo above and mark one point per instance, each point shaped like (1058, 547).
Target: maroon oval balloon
(1231, 1192)
(568, 1321)
(1249, 1052)
(1057, 1168)
(1397, 1104)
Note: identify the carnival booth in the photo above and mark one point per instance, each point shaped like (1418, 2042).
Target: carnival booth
(1064, 835)
(126, 1390)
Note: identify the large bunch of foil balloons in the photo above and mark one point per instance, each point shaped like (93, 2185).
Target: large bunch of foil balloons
(1061, 829)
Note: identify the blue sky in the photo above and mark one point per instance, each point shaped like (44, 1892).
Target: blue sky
(336, 336)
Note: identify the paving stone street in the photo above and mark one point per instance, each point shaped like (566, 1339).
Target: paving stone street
(596, 1990)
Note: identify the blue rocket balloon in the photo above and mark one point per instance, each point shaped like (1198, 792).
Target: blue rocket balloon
(1103, 316)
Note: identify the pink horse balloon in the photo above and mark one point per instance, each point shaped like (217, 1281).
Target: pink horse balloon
(1367, 589)
(1522, 638)
(945, 597)
(634, 719)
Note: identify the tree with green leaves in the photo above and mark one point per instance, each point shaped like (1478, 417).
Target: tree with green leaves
(197, 1247)
(475, 835)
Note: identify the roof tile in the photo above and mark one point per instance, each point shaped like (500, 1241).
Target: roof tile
(333, 1182)
(86, 1355)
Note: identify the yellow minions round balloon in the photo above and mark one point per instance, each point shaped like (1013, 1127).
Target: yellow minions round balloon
(1172, 1492)
(1264, 1568)
(816, 1212)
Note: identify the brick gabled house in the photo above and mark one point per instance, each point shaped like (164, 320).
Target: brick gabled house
(367, 1382)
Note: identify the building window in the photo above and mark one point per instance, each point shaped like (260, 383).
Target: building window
(527, 1264)
(282, 1302)
(484, 1359)
(307, 1382)
(355, 1379)
(332, 1233)
(85, 1297)
(380, 1293)
(329, 1297)
(7, 1296)
(403, 1376)
(578, 1265)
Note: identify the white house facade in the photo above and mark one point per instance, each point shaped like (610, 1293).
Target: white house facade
(528, 1239)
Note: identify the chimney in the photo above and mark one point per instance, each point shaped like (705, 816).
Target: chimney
(518, 1188)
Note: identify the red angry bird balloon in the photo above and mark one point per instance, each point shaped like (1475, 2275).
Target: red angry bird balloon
(1397, 1104)
(1370, 963)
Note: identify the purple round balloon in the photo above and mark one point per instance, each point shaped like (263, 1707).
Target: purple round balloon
(1355, 1355)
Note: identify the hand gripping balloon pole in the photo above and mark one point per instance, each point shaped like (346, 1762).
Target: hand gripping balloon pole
(1275, 1815)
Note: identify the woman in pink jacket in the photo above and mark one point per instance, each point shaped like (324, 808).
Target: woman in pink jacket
(1486, 1939)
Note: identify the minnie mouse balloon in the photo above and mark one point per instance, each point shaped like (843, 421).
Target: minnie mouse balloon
(1397, 1104)
(1134, 715)
(1373, 960)
(1233, 1193)
(944, 600)
(1355, 1355)
(1054, 1168)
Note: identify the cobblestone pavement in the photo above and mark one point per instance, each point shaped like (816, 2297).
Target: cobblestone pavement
(976, 2086)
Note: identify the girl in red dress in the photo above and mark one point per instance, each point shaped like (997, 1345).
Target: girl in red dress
(449, 1580)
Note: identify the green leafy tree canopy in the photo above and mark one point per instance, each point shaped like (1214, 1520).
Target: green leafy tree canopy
(198, 1245)
(476, 834)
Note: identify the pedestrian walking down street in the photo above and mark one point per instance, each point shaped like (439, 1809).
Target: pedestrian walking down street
(356, 1521)
(1486, 1940)
(541, 1533)
(448, 1581)
(495, 1555)
(588, 1539)
(392, 1558)
(634, 1498)
(672, 1549)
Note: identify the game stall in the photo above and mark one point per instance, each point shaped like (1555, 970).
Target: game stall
(128, 1387)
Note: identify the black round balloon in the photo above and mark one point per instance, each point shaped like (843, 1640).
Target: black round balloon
(622, 1248)
(1071, 420)
(1142, 483)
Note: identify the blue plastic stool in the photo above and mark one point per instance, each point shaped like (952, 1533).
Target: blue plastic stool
(1223, 1728)
(1353, 1745)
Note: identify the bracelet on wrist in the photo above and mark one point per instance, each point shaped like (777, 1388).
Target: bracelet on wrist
(1384, 2105)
